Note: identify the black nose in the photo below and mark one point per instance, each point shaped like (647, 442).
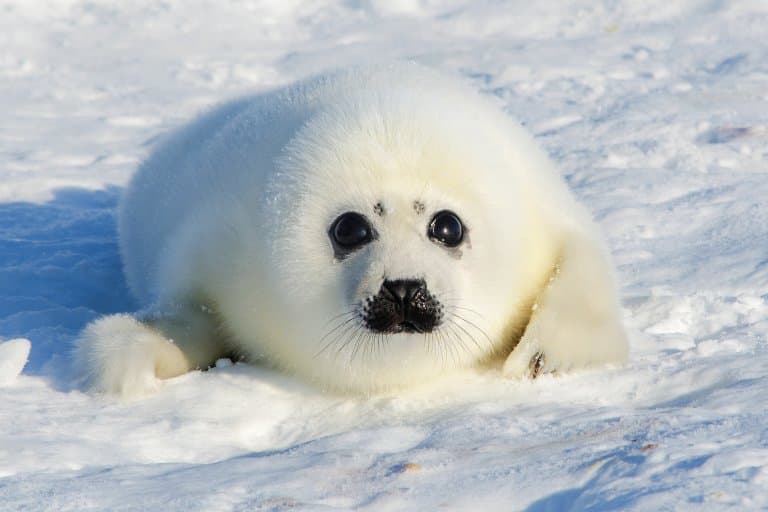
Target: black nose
(403, 291)
(403, 305)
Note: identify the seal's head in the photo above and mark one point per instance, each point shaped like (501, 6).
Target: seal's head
(405, 239)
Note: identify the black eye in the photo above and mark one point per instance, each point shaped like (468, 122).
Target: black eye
(350, 231)
(446, 229)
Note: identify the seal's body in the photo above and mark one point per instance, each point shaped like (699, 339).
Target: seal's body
(363, 230)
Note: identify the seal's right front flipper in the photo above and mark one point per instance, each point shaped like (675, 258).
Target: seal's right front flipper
(120, 355)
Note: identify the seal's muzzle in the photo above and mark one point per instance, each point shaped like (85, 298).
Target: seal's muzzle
(402, 305)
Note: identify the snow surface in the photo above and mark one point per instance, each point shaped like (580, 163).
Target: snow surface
(657, 114)
(13, 357)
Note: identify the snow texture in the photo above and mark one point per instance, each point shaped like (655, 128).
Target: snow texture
(13, 357)
(654, 111)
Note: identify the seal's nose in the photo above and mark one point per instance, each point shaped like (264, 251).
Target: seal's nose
(403, 292)
(403, 305)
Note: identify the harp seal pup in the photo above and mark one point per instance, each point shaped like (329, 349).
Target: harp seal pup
(364, 230)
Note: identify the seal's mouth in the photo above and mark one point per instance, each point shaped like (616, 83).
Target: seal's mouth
(407, 327)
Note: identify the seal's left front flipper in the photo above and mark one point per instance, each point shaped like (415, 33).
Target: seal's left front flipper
(576, 321)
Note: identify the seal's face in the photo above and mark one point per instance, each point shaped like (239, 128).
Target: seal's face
(402, 269)
(399, 246)
(401, 304)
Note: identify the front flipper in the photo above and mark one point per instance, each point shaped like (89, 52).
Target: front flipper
(122, 355)
(576, 321)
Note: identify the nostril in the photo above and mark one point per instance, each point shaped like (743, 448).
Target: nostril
(403, 290)
(395, 289)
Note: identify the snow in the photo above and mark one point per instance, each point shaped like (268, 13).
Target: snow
(13, 357)
(654, 111)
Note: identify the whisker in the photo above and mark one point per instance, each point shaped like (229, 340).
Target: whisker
(459, 338)
(457, 325)
(451, 345)
(355, 334)
(344, 336)
(359, 340)
(376, 344)
(382, 341)
(441, 347)
(374, 349)
(368, 347)
(329, 333)
(475, 326)
(455, 303)
(350, 312)
(468, 310)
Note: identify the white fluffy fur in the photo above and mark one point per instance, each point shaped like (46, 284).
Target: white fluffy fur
(224, 237)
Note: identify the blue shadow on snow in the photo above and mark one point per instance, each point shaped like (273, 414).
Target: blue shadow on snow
(59, 269)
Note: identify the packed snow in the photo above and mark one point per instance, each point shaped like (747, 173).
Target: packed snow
(13, 357)
(657, 114)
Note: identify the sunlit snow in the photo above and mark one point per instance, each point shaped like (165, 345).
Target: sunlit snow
(656, 112)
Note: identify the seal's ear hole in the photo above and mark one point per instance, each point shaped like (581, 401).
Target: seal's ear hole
(349, 232)
(446, 229)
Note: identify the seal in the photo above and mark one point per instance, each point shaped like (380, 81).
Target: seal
(364, 230)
